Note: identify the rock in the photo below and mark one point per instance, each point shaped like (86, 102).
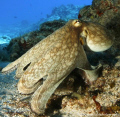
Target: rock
(0, 68)
(3, 52)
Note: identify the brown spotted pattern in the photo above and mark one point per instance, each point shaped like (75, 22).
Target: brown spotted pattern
(98, 38)
(49, 62)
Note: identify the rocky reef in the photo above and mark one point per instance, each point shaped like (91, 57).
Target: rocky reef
(64, 12)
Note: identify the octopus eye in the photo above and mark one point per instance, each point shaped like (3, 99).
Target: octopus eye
(77, 23)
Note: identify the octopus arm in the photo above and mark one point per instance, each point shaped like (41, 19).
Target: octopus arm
(91, 75)
(56, 64)
(42, 94)
(37, 52)
(11, 67)
(45, 90)
(55, 57)
(32, 55)
(54, 78)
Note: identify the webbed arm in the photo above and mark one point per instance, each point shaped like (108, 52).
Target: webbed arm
(91, 75)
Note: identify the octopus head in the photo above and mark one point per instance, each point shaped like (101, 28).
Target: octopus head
(97, 37)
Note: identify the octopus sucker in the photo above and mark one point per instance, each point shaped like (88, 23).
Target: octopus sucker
(42, 68)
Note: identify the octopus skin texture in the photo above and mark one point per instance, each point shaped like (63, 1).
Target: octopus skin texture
(42, 68)
(97, 37)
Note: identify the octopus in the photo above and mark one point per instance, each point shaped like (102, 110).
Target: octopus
(43, 68)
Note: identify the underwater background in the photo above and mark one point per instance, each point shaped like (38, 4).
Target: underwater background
(20, 16)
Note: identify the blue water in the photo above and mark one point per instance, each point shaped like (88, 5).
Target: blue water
(20, 16)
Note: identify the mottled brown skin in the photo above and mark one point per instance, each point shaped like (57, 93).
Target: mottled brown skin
(52, 60)
(97, 37)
